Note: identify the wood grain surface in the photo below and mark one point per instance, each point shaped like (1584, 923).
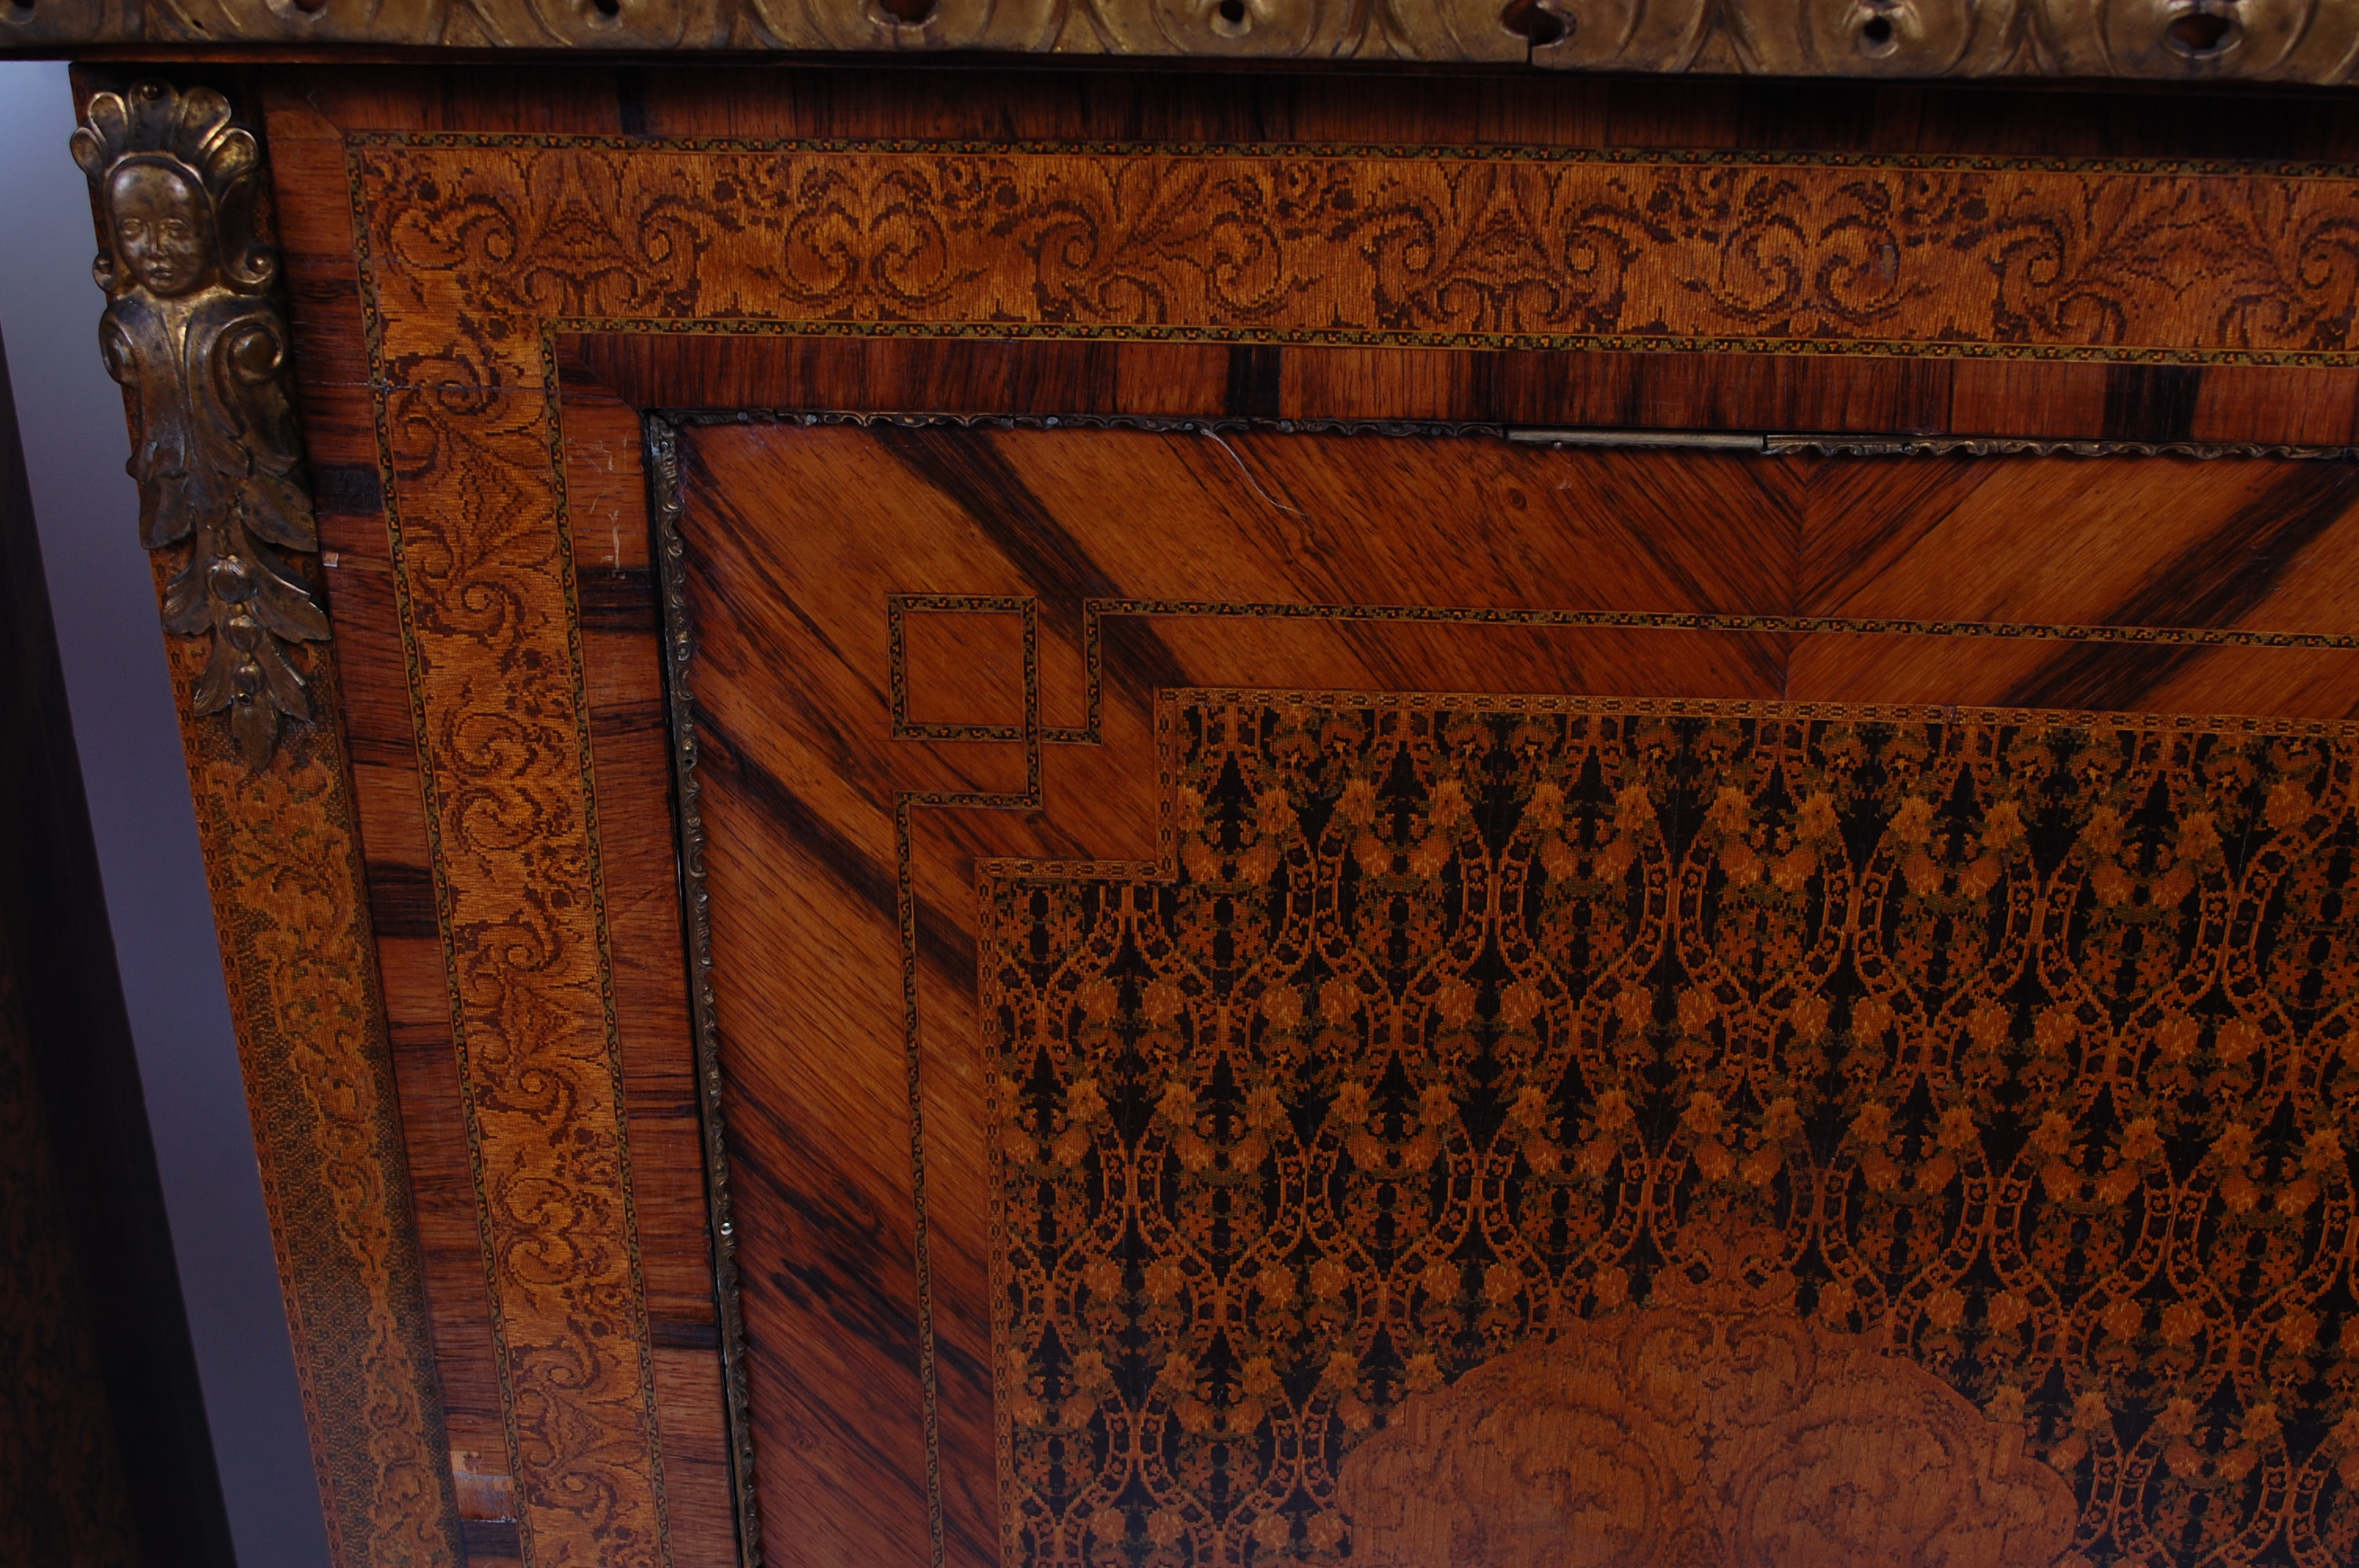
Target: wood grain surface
(283, 866)
(472, 424)
(1287, 561)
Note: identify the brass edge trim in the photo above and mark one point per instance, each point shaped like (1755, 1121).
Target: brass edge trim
(1160, 423)
(1647, 441)
(2302, 42)
(1770, 445)
(666, 506)
(1842, 445)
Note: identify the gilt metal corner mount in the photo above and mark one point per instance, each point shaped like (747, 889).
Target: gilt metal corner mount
(194, 334)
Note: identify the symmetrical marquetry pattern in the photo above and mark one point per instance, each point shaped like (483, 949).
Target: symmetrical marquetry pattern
(1161, 559)
(492, 572)
(283, 863)
(2013, 1046)
(1710, 252)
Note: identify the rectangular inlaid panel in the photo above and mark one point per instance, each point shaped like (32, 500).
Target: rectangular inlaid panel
(492, 273)
(1345, 997)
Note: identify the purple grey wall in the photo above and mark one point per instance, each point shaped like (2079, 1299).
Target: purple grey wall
(72, 420)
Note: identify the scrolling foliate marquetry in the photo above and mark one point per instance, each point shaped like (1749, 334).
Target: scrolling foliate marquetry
(194, 332)
(504, 753)
(485, 583)
(473, 250)
(283, 863)
(1698, 251)
(1686, 1132)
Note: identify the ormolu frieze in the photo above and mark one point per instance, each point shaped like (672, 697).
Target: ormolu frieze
(194, 334)
(2169, 40)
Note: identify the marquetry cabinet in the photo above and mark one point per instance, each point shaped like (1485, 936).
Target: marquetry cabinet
(968, 813)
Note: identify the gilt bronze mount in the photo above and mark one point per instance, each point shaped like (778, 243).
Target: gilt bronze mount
(194, 334)
(2311, 42)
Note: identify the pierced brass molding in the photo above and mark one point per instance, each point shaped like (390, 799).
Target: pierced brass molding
(2295, 41)
(194, 334)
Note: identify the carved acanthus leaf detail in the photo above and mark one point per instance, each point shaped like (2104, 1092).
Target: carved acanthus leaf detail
(194, 334)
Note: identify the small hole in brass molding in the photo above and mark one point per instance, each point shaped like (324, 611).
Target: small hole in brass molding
(1230, 19)
(1538, 27)
(1876, 35)
(909, 13)
(310, 7)
(608, 10)
(2200, 35)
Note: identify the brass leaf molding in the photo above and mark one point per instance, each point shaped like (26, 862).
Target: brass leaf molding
(2297, 41)
(194, 334)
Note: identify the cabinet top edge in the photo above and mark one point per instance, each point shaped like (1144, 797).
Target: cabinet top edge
(2288, 43)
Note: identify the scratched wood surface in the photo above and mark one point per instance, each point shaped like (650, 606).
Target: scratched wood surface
(799, 756)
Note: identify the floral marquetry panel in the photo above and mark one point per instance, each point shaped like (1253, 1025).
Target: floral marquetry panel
(1686, 1132)
(1168, 1120)
(887, 1071)
(2008, 258)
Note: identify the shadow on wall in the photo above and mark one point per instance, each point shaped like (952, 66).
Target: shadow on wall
(103, 601)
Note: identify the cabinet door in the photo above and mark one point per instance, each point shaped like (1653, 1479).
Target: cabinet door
(1256, 820)
(1449, 1000)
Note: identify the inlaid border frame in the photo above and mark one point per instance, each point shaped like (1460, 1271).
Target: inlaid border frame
(550, 392)
(668, 508)
(283, 863)
(1946, 343)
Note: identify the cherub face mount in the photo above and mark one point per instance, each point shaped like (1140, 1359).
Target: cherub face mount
(194, 334)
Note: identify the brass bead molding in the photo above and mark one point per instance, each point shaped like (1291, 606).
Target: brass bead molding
(194, 334)
(2295, 41)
